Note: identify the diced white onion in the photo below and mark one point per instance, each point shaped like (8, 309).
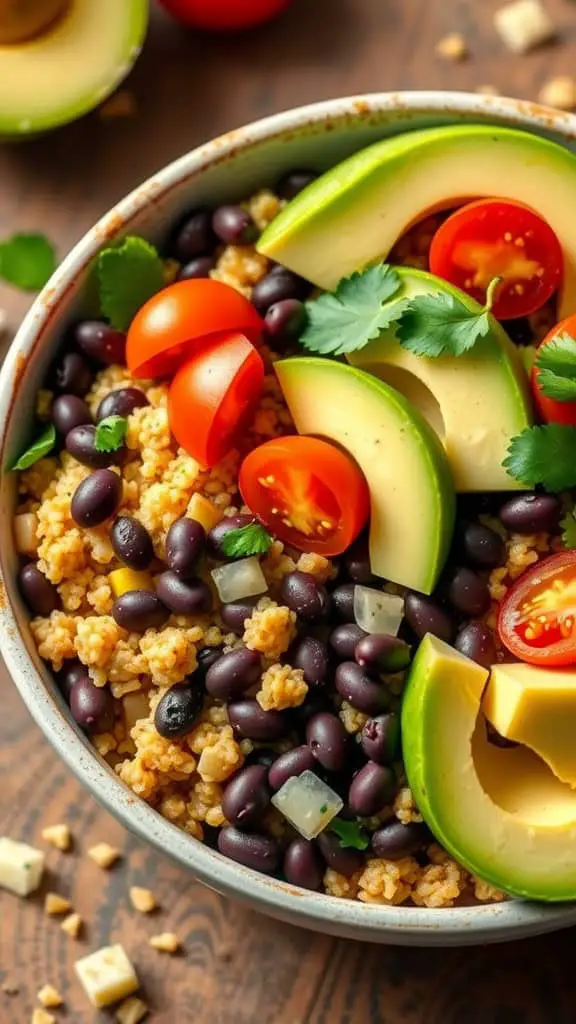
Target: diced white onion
(25, 526)
(239, 579)
(377, 612)
(135, 706)
(308, 804)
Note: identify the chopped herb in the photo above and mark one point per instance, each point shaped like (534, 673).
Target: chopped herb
(128, 276)
(350, 834)
(110, 433)
(324, 808)
(27, 261)
(436, 325)
(41, 447)
(568, 525)
(544, 455)
(248, 540)
(556, 362)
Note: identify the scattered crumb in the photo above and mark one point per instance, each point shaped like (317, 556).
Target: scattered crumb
(523, 24)
(49, 996)
(104, 855)
(121, 104)
(72, 925)
(59, 836)
(107, 975)
(452, 47)
(55, 904)
(10, 988)
(42, 1017)
(487, 90)
(142, 899)
(167, 942)
(131, 1011)
(559, 92)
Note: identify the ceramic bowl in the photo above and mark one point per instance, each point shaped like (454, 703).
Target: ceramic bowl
(229, 168)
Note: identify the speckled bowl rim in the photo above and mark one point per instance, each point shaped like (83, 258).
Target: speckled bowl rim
(350, 919)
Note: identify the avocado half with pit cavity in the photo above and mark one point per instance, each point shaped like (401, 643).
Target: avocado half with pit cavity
(354, 214)
(61, 58)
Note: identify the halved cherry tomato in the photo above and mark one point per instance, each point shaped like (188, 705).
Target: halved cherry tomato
(309, 493)
(224, 14)
(537, 620)
(175, 321)
(213, 396)
(550, 410)
(495, 238)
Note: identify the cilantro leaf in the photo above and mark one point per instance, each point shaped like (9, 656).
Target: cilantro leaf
(544, 455)
(348, 318)
(350, 834)
(128, 276)
(568, 525)
(436, 325)
(27, 261)
(40, 447)
(110, 433)
(556, 361)
(248, 540)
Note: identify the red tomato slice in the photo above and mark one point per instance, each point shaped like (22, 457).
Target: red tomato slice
(537, 620)
(309, 493)
(496, 238)
(213, 397)
(175, 321)
(550, 410)
(224, 14)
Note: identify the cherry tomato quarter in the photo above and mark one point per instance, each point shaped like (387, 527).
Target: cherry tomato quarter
(213, 396)
(537, 619)
(180, 318)
(308, 492)
(224, 15)
(549, 409)
(497, 238)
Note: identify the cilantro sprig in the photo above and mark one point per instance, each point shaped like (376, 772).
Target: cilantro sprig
(248, 540)
(350, 834)
(436, 325)
(128, 275)
(42, 446)
(27, 261)
(556, 363)
(544, 455)
(110, 433)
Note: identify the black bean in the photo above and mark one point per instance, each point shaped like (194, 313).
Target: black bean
(251, 722)
(121, 402)
(311, 656)
(39, 594)
(467, 593)
(234, 673)
(289, 764)
(383, 653)
(395, 840)
(131, 543)
(344, 860)
(234, 225)
(92, 706)
(371, 789)
(139, 610)
(235, 613)
(246, 797)
(476, 641)
(70, 674)
(96, 498)
(344, 639)
(195, 236)
(207, 657)
(81, 444)
(303, 864)
(482, 546)
(185, 542)
(301, 592)
(178, 709)
(531, 513)
(218, 532)
(72, 374)
(343, 602)
(200, 266)
(69, 411)
(100, 342)
(184, 597)
(360, 689)
(294, 182)
(381, 738)
(277, 287)
(425, 615)
(285, 319)
(262, 755)
(357, 563)
(328, 740)
(261, 853)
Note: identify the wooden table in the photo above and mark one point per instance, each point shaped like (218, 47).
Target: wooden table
(237, 966)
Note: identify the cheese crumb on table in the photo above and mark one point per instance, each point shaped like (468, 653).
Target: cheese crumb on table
(49, 996)
(72, 925)
(21, 866)
(42, 1017)
(142, 899)
(106, 975)
(56, 904)
(59, 836)
(166, 942)
(559, 92)
(523, 24)
(131, 1011)
(104, 855)
(452, 47)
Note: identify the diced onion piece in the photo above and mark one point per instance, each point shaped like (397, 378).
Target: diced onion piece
(25, 526)
(239, 579)
(308, 804)
(378, 612)
(135, 707)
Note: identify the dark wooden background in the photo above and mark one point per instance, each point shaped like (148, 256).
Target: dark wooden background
(237, 966)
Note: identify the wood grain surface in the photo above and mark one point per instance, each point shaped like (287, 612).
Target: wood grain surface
(237, 966)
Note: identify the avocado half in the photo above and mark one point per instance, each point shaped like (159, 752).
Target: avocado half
(356, 212)
(70, 66)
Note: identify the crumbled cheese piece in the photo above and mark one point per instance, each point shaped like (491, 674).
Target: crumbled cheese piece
(131, 1011)
(49, 996)
(559, 92)
(42, 1017)
(307, 803)
(523, 24)
(21, 866)
(59, 836)
(142, 899)
(166, 942)
(104, 855)
(72, 925)
(56, 904)
(106, 975)
(452, 47)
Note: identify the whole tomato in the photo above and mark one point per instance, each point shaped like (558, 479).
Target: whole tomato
(224, 15)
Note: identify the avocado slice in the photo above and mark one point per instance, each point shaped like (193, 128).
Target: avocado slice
(411, 489)
(476, 402)
(355, 212)
(70, 65)
(500, 812)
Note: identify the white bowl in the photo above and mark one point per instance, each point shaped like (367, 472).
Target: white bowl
(229, 168)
